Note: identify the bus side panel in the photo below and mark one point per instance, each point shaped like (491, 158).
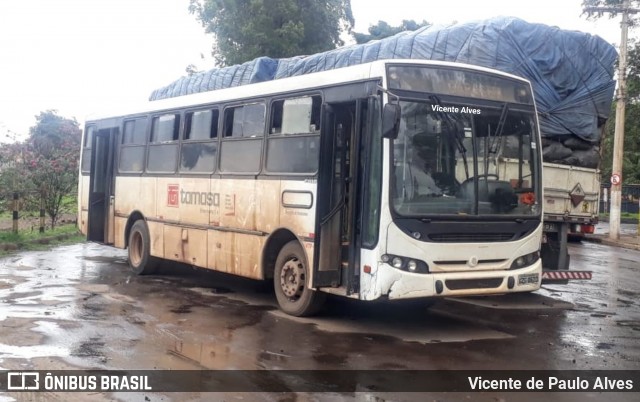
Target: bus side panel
(238, 203)
(268, 196)
(120, 223)
(84, 204)
(133, 193)
(156, 234)
(298, 212)
(185, 244)
(235, 253)
(183, 200)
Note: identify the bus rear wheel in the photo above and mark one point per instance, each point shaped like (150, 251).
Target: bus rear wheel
(291, 279)
(140, 259)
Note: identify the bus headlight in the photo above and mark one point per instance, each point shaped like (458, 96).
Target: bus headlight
(406, 264)
(525, 260)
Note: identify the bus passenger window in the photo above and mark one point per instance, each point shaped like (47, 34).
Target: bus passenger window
(134, 132)
(131, 159)
(134, 138)
(200, 146)
(240, 156)
(294, 135)
(165, 128)
(201, 125)
(163, 149)
(246, 121)
(296, 115)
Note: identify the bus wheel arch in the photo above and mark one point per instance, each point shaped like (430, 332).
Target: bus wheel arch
(276, 241)
(291, 282)
(141, 261)
(133, 217)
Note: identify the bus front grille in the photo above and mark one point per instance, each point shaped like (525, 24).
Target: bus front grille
(485, 283)
(470, 237)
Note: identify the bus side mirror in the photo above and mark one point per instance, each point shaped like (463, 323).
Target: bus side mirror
(391, 121)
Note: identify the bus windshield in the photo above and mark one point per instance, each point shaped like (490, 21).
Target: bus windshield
(465, 159)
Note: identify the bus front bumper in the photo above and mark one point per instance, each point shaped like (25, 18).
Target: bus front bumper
(398, 284)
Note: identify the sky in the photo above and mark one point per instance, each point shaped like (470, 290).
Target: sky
(81, 57)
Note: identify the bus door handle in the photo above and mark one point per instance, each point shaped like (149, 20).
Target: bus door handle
(112, 199)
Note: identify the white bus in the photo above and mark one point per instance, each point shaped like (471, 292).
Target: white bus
(393, 179)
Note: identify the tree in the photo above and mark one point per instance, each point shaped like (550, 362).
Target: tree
(631, 158)
(595, 14)
(11, 173)
(247, 29)
(631, 155)
(383, 30)
(46, 164)
(631, 161)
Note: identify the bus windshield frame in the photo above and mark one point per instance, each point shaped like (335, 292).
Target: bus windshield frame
(472, 157)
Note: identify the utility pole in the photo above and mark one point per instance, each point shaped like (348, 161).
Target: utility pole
(621, 94)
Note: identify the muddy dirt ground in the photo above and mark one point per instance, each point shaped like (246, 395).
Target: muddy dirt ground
(79, 306)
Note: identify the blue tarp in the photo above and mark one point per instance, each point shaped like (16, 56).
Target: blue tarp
(571, 72)
(258, 70)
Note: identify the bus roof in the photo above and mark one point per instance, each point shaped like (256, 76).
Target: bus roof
(360, 72)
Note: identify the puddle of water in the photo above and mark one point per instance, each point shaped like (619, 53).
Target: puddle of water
(32, 351)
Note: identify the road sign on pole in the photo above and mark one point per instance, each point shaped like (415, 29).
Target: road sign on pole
(616, 179)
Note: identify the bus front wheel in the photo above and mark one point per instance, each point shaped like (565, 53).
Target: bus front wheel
(290, 280)
(140, 259)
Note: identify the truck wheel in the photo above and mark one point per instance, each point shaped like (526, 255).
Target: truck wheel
(291, 279)
(140, 259)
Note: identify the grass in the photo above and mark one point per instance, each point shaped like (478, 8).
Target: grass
(626, 215)
(33, 240)
(622, 215)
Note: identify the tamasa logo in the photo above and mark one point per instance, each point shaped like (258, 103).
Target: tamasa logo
(173, 195)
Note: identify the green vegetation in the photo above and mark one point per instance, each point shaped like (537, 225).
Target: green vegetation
(43, 169)
(247, 29)
(623, 215)
(383, 30)
(631, 154)
(33, 240)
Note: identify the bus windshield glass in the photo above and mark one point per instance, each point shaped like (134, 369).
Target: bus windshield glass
(465, 159)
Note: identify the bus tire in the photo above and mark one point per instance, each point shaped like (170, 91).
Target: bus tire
(140, 259)
(290, 281)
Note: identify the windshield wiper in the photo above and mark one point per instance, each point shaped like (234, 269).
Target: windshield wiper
(503, 119)
(461, 149)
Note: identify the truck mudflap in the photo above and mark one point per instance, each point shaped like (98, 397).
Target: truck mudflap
(564, 276)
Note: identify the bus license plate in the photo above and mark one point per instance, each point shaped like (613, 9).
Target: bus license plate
(528, 279)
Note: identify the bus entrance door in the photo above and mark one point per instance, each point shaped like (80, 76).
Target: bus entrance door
(101, 208)
(332, 224)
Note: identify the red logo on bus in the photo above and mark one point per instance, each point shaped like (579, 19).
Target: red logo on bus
(173, 195)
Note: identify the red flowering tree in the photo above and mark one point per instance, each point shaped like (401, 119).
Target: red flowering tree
(45, 165)
(53, 150)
